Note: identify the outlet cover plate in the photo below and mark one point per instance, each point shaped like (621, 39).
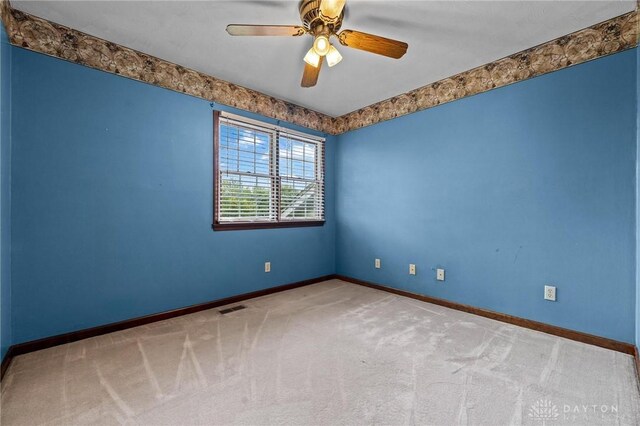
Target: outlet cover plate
(412, 269)
(550, 293)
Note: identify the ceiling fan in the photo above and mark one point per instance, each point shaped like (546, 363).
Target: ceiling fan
(322, 20)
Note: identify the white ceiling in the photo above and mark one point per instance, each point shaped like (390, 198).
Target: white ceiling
(445, 38)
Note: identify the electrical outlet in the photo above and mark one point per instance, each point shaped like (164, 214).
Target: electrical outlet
(412, 269)
(377, 263)
(267, 266)
(440, 274)
(550, 293)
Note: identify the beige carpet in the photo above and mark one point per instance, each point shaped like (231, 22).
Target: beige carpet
(330, 353)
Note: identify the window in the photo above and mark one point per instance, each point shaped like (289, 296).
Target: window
(266, 176)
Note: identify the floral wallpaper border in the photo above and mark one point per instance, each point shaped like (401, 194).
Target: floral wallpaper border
(52, 39)
(612, 36)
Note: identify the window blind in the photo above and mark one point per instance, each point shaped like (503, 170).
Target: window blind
(301, 178)
(266, 174)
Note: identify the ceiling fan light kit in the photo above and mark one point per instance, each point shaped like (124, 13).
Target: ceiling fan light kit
(312, 58)
(322, 19)
(333, 56)
(321, 45)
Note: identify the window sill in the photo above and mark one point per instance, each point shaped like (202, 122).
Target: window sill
(264, 225)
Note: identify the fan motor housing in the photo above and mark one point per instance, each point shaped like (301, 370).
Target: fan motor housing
(313, 22)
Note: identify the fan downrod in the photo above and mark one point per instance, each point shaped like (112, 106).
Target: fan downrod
(314, 23)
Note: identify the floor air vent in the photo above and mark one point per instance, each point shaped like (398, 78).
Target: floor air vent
(232, 309)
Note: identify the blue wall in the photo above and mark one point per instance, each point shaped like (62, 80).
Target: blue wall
(112, 205)
(638, 199)
(525, 185)
(509, 190)
(5, 192)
